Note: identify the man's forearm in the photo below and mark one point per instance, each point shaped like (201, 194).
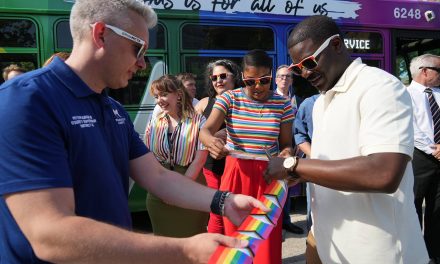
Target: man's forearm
(169, 185)
(82, 240)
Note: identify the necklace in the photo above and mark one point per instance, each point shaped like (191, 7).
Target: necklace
(261, 110)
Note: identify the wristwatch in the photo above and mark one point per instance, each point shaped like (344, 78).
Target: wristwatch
(289, 164)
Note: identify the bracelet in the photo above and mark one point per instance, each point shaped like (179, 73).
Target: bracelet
(222, 202)
(218, 202)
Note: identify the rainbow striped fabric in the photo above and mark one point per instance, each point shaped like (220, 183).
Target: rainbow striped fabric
(255, 228)
(277, 190)
(253, 125)
(186, 139)
(270, 202)
(231, 255)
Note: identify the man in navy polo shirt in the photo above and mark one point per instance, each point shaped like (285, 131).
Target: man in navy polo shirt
(67, 151)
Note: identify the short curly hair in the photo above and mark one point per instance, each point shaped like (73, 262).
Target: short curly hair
(230, 66)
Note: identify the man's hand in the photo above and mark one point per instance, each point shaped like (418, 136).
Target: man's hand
(275, 170)
(436, 152)
(199, 248)
(217, 148)
(221, 134)
(238, 207)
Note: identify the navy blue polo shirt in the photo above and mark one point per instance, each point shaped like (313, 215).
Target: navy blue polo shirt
(56, 132)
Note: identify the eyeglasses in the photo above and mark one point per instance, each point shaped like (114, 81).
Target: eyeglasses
(309, 63)
(284, 76)
(218, 77)
(431, 68)
(254, 81)
(142, 45)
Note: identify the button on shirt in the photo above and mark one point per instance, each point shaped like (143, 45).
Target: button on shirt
(422, 121)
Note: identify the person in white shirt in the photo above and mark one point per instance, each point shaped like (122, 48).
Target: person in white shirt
(189, 82)
(362, 181)
(425, 71)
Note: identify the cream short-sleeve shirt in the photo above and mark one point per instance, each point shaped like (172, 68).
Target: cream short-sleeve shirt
(367, 111)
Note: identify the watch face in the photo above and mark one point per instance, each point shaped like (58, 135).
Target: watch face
(289, 162)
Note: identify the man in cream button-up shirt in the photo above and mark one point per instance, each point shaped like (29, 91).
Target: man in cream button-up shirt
(362, 180)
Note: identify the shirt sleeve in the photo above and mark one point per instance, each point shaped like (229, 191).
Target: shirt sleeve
(386, 124)
(223, 102)
(32, 143)
(300, 128)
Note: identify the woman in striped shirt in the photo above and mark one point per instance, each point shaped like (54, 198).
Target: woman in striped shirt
(173, 137)
(256, 119)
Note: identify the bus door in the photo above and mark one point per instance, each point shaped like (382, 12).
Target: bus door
(409, 44)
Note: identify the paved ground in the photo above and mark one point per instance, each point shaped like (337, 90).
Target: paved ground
(294, 246)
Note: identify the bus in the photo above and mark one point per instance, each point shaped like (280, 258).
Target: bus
(190, 33)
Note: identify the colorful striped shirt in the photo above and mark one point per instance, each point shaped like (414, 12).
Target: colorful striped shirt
(184, 141)
(253, 126)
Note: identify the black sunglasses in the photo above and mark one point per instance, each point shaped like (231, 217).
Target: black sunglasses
(431, 68)
(253, 81)
(221, 76)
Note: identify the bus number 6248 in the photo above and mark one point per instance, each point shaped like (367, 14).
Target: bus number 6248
(403, 13)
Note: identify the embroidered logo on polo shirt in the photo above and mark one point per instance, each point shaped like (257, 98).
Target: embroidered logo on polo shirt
(83, 121)
(118, 118)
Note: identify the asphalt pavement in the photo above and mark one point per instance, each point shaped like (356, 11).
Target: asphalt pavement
(294, 246)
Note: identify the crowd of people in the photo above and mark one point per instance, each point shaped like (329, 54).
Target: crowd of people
(66, 157)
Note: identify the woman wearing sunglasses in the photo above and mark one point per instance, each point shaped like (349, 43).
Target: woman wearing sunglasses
(256, 120)
(221, 76)
(173, 137)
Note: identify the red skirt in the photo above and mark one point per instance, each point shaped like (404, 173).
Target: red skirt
(246, 177)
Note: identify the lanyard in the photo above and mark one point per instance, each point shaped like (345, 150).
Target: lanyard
(171, 140)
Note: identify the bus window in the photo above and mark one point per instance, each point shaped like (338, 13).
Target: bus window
(213, 37)
(27, 61)
(63, 36)
(20, 33)
(18, 43)
(131, 96)
(197, 65)
(157, 37)
(410, 44)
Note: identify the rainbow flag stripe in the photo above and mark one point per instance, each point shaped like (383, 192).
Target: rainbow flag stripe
(254, 241)
(258, 225)
(271, 203)
(225, 255)
(255, 228)
(278, 189)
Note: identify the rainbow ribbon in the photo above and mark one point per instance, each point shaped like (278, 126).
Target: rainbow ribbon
(270, 202)
(255, 228)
